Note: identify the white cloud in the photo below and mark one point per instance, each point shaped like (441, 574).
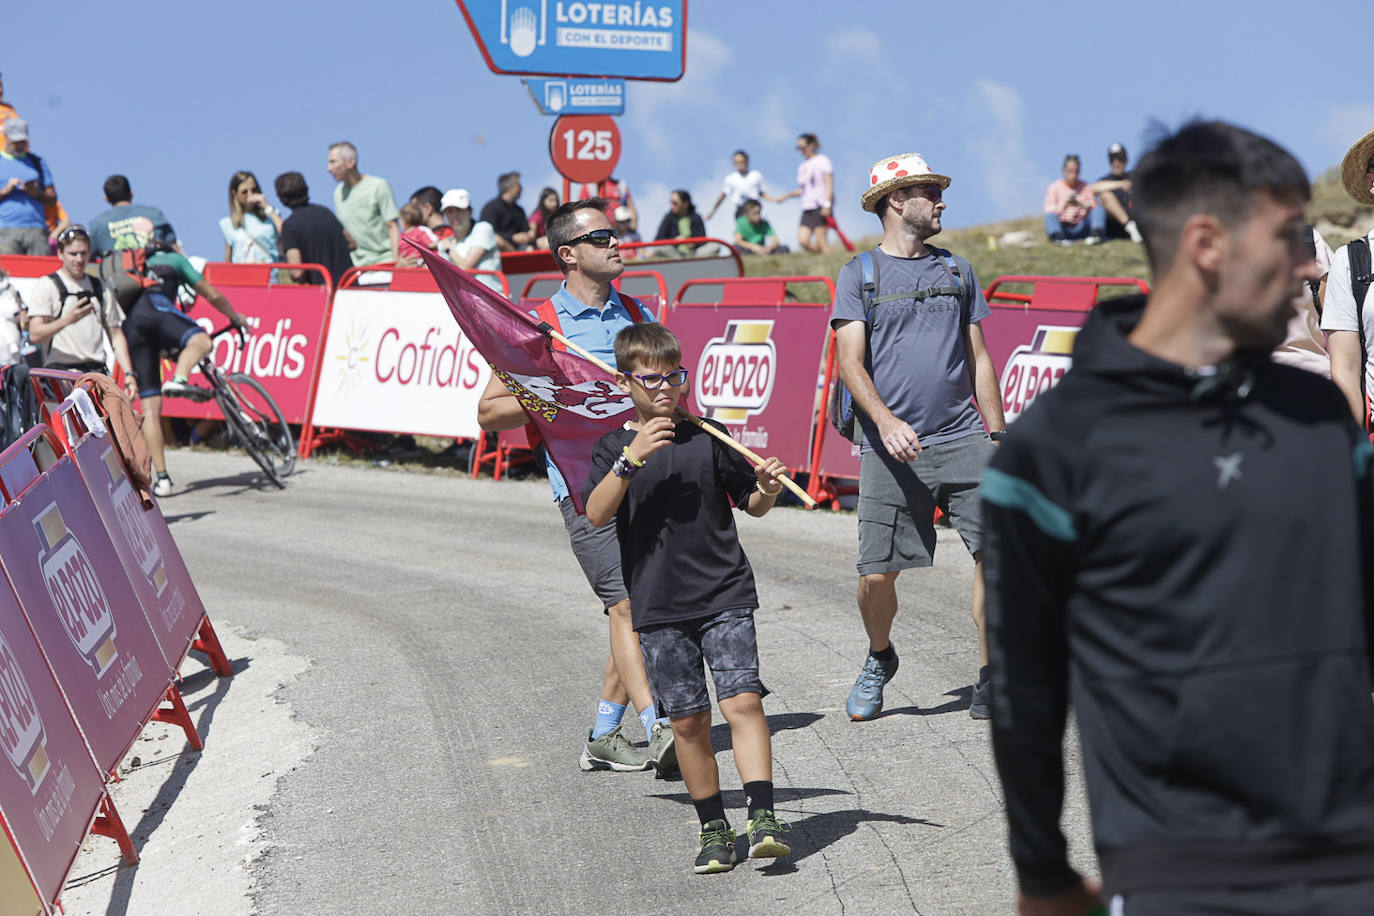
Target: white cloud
(855, 41)
(653, 110)
(995, 140)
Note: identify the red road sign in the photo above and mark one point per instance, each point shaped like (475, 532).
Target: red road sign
(585, 148)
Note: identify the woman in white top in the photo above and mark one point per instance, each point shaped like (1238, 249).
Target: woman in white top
(253, 227)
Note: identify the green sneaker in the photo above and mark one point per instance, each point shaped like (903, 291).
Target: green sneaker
(612, 752)
(717, 848)
(663, 752)
(765, 836)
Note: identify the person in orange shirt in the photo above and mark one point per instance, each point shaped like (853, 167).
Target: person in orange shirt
(6, 110)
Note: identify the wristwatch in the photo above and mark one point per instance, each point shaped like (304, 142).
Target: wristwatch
(997, 435)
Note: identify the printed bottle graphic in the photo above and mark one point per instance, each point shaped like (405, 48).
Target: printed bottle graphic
(21, 730)
(133, 520)
(75, 591)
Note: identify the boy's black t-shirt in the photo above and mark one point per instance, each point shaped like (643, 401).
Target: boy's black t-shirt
(679, 550)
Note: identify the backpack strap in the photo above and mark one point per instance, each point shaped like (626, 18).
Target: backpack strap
(960, 288)
(1361, 276)
(632, 306)
(868, 291)
(61, 290)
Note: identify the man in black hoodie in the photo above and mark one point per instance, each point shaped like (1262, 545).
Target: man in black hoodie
(1178, 543)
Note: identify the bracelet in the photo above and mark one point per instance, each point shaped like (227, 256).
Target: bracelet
(631, 458)
(758, 485)
(623, 468)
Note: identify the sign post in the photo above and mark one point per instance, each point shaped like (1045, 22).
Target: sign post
(631, 39)
(576, 95)
(585, 148)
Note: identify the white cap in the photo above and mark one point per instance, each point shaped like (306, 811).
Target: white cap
(458, 197)
(622, 213)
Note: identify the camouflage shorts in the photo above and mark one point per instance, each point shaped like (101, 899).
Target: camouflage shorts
(673, 653)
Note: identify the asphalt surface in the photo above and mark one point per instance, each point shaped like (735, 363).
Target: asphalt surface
(454, 660)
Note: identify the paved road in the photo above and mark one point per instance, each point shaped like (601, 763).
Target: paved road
(455, 654)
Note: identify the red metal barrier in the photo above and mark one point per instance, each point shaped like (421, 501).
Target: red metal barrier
(286, 331)
(755, 356)
(1029, 334)
(406, 279)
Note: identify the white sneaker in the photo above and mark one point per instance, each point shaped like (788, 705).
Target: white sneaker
(1134, 232)
(1092, 240)
(163, 487)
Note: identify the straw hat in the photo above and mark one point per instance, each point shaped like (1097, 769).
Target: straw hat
(1353, 167)
(887, 175)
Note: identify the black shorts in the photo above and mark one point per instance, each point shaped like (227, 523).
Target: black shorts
(812, 219)
(155, 324)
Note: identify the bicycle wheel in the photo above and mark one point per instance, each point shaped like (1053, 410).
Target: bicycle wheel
(257, 423)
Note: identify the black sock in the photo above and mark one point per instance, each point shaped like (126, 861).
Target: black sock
(758, 795)
(984, 675)
(886, 655)
(709, 809)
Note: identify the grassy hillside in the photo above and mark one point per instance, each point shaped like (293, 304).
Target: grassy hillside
(1338, 218)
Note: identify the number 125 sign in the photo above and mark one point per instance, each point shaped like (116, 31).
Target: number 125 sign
(585, 148)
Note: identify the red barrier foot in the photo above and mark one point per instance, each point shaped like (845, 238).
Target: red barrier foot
(207, 642)
(178, 715)
(107, 823)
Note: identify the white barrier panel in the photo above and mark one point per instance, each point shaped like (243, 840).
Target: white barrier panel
(397, 362)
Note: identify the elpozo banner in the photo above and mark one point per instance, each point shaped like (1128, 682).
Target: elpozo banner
(398, 362)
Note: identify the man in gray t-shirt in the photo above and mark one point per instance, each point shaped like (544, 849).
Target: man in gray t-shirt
(912, 354)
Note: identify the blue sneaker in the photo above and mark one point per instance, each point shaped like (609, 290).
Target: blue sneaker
(866, 699)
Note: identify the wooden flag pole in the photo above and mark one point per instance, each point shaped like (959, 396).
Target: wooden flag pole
(787, 482)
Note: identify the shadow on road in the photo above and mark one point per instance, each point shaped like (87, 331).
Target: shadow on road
(781, 722)
(182, 766)
(186, 517)
(241, 483)
(962, 696)
(818, 831)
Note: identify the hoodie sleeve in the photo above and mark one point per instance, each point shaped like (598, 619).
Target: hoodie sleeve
(1030, 544)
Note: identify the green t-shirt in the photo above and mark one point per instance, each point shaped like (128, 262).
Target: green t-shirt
(365, 210)
(753, 234)
(186, 272)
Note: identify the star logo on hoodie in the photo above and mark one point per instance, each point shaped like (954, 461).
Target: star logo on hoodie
(1228, 469)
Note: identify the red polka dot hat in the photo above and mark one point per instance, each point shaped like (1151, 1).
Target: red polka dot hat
(887, 175)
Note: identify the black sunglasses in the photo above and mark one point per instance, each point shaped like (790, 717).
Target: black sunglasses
(601, 238)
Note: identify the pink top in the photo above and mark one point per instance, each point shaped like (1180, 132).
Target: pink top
(811, 176)
(422, 236)
(1057, 201)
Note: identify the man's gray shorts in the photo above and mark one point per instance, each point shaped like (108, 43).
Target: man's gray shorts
(24, 241)
(897, 502)
(674, 652)
(598, 550)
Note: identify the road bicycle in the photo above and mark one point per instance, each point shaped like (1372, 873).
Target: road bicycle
(253, 418)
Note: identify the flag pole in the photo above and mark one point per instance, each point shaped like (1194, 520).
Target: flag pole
(787, 482)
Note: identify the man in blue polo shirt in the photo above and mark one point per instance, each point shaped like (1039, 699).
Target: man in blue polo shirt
(589, 312)
(25, 188)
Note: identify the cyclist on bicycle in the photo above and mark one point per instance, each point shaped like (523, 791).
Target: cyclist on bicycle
(155, 324)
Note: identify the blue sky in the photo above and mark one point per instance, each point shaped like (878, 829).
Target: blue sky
(179, 95)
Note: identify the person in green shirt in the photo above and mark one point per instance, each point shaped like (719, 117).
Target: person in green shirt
(365, 206)
(753, 233)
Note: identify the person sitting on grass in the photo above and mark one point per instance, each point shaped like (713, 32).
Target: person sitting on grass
(1071, 210)
(669, 487)
(753, 233)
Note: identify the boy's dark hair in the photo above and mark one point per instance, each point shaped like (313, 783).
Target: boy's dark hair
(750, 202)
(1206, 167)
(1072, 157)
(810, 139)
(740, 152)
(117, 189)
(292, 190)
(648, 345)
(563, 225)
(431, 195)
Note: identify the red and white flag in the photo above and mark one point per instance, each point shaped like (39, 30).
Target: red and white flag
(570, 401)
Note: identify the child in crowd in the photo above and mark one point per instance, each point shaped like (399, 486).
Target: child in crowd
(413, 227)
(669, 487)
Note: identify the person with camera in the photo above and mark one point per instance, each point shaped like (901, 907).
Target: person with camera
(70, 314)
